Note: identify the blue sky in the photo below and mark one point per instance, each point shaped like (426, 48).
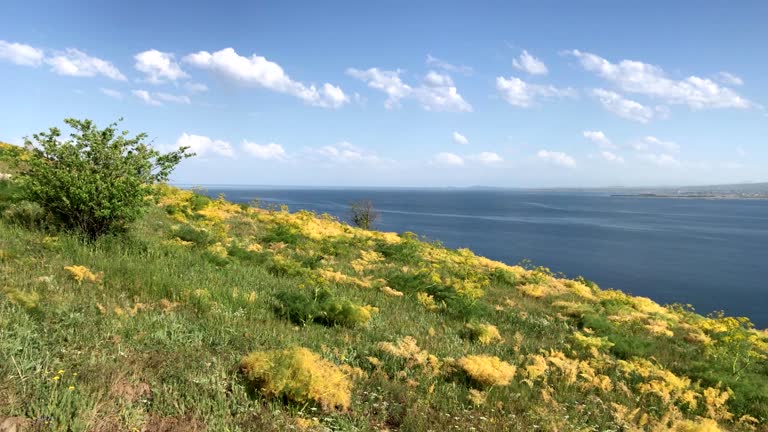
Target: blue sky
(404, 93)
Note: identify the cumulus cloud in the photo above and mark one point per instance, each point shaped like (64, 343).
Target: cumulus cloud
(20, 54)
(611, 157)
(195, 87)
(440, 64)
(167, 97)
(530, 64)
(642, 78)
(522, 94)
(436, 93)
(158, 66)
(112, 93)
(270, 151)
(622, 107)
(259, 72)
(556, 158)
(730, 79)
(599, 138)
(660, 159)
(146, 97)
(447, 159)
(344, 152)
(488, 158)
(157, 99)
(73, 62)
(203, 145)
(459, 138)
(653, 143)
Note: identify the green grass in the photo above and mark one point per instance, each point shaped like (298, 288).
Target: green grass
(157, 340)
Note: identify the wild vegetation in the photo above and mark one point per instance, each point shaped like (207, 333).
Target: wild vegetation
(208, 315)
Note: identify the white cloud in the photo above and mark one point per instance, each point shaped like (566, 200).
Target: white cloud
(556, 158)
(270, 151)
(158, 66)
(260, 72)
(530, 64)
(599, 138)
(447, 159)
(157, 99)
(522, 94)
(146, 97)
(167, 97)
(112, 93)
(459, 138)
(73, 62)
(622, 107)
(440, 64)
(660, 159)
(344, 152)
(196, 87)
(650, 142)
(20, 54)
(488, 158)
(202, 145)
(437, 93)
(650, 80)
(611, 157)
(740, 151)
(730, 79)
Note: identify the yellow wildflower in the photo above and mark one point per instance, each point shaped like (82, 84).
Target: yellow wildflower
(81, 273)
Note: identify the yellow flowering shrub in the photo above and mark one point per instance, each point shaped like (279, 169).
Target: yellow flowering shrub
(535, 291)
(586, 341)
(28, 300)
(81, 273)
(715, 403)
(391, 292)
(407, 349)
(300, 375)
(659, 328)
(341, 278)
(427, 301)
(536, 367)
(485, 334)
(487, 370)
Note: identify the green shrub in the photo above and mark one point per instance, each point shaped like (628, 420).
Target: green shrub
(283, 233)
(362, 214)
(199, 202)
(199, 236)
(26, 214)
(98, 181)
(321, 306)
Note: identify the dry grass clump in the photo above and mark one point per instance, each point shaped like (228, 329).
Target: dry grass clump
(485, 334)
(299, 375)
(487, 370)
(407, 349)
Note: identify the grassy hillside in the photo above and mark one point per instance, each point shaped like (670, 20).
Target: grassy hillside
(215, 316)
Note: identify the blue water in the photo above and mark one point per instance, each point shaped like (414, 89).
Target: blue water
(712, 254)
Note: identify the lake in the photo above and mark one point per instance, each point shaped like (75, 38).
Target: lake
(708, 253)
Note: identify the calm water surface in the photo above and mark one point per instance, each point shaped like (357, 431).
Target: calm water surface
(709, 253)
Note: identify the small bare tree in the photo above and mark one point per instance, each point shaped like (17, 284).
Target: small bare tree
(362, 214)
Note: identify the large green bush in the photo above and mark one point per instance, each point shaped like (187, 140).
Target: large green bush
(96, 182)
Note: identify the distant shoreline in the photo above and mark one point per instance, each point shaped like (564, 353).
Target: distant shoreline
(702, 196)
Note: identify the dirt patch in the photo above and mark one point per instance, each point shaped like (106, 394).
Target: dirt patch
(130, 391)
(173, 424)
(13, 424)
